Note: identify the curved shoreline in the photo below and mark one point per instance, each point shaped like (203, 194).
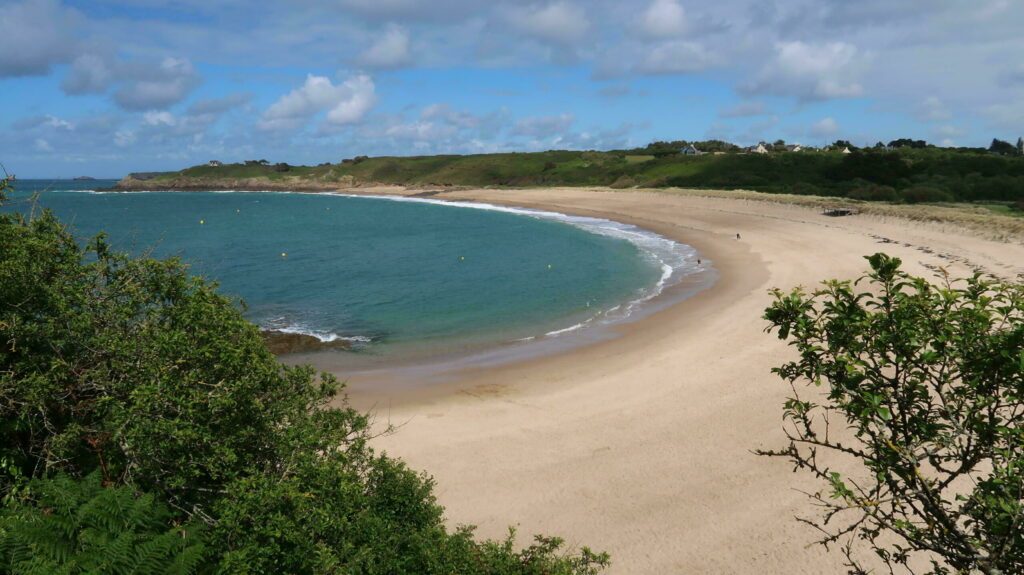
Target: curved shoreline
(682, 275)
(641, 446)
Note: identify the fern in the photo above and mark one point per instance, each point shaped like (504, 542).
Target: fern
(72, 527)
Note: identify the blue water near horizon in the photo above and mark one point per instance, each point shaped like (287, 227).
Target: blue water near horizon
(383, 274)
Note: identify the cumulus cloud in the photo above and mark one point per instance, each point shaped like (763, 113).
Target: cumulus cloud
(932, 109)
(811, 71)
(218, 106)
(412, 10)
(46, 121)
(389, 50)
(34, 36)
(159, 119)
(156, 87)
(89, 74)
(1012, 77)
(345, 103)
(124, 138)
(825, 128)
(676, 57)
(543, 126)
(663, 19)
(560, 22)
(948, 132)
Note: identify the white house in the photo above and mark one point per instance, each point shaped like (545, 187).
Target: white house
(758, 149)
(794, 148)
(214, 163)
(690, 151)
(846, 151)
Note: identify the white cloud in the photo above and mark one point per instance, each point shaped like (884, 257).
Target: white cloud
(663, 19)
(156, 87)
(948, 131)
(123, 138)
(35, 35)
(359, 100)
(1006, 116)
(390, 50)
(89, 74)
(345, 103)
(218, 106)
(676, 57)
(445, 113)
(811, 71)
(559, 22)
(825, 128)
(159, 119)
(42, 145)
(543, 126)
(932, 109)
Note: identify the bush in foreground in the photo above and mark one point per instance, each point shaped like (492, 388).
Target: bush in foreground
(917, 430)
(126, 381)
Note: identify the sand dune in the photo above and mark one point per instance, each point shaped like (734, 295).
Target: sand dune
(641, 446)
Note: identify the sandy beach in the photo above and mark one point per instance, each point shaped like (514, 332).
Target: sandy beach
(642, 445)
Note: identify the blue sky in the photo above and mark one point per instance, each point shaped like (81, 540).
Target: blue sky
(104, 87)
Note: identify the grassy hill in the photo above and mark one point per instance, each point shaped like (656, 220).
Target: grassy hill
(903, 175)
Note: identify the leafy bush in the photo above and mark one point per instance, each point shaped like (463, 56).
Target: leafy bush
(138, 376)
(921, 194)
(918, 434)
(61, 525)
(874, 193)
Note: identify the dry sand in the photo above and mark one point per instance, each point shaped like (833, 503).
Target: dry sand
(641, 446)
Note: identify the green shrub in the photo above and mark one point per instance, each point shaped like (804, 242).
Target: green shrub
(922, 194)
(912, 423)
(136, 375)
(874, 193)
(61, 525)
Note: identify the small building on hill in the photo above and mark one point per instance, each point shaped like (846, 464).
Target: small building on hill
(794, 148)
(846, 151)
(214, 163)
(690, 150)
(758, 149)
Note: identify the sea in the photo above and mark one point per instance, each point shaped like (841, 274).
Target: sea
(398, 278)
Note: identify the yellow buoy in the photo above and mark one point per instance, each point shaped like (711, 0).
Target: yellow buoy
(201, 222)
(284, 254)
(462, 258)
(549, 266)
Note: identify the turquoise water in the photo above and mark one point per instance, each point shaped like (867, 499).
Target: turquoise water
(384, 273)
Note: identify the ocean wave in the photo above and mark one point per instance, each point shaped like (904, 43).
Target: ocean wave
(323, 336)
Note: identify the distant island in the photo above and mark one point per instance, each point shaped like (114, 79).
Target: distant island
(84, 178)
(903, 171)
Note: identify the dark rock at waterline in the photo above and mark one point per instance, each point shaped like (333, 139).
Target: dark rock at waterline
(282, 343)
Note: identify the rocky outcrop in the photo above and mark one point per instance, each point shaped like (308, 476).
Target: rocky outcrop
(282, 343)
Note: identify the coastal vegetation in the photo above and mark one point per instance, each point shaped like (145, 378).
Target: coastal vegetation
(905, 171)
(146, 428)
(906, 406)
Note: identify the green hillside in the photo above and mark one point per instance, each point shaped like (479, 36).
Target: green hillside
(903, 175)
